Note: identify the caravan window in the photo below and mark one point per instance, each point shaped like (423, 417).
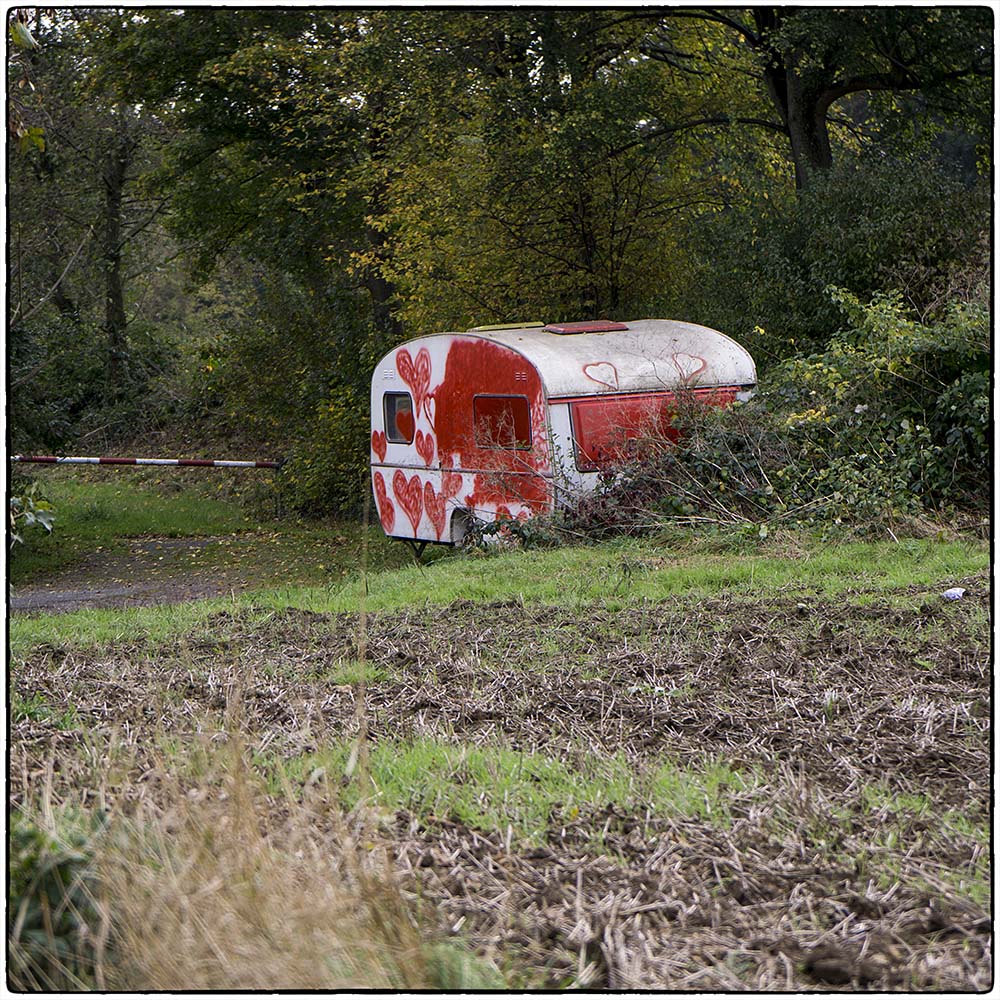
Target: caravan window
(397, 408)
(609, 431)
(502, 422)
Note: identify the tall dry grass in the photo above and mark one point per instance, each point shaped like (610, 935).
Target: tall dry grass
(210, 892)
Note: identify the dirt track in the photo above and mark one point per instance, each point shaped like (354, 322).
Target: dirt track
(154, 571)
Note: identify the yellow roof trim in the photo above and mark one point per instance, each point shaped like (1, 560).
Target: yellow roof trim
(505, 326)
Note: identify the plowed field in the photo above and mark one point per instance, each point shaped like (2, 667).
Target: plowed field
(799, 790)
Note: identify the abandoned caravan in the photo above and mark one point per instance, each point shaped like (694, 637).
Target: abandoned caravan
(501, 421)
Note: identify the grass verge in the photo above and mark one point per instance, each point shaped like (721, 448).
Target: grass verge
(618, 574)
(101, 522)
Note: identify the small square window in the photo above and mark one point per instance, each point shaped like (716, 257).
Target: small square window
(397, 410)
(502, 422)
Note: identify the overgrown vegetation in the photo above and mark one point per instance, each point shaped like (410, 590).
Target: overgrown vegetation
(56, 929)
(887, 431)
(189, 895)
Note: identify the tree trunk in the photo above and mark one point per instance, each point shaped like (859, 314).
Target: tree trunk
(802, 108)
(805, 117)
(115, 167)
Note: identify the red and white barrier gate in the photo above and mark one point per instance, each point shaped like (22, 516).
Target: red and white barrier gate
(197, 462)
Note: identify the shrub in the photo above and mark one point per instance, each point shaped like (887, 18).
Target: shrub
(295, 369)
(870, 225)
(54, 926)
(27, 509)
(60, 389)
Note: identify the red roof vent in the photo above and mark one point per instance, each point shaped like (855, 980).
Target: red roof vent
(588, 326)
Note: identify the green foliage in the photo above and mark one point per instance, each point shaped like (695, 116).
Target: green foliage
(869, 226)
(54, 924)
(57, 379)
(28, 509)
(558, 192)
(506, 532)
(294, 368)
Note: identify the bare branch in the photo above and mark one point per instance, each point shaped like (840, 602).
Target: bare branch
(38, 305)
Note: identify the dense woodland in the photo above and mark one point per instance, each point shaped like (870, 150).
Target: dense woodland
(220, 218)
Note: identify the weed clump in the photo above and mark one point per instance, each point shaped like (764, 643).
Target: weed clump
(55, 927)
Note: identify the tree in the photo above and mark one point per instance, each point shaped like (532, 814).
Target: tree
(811, 58)
(84, 241)
(550, 168)
(279, 152)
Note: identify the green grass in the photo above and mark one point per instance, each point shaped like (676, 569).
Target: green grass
(316, 565)
(855, 572)
(702, 794)
(95, 516)
(99, 519)
(623, 573)
(492, 788)
(527, 796)
(35, 707)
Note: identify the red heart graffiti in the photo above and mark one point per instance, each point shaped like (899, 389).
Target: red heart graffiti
(409, 496)
(379, 445)
(603, 373)
(434, 505)
(404, 424)
(425, 447)
(416, 374)
(430, 408)
(386, 511)
(689, 366)
(451, 483)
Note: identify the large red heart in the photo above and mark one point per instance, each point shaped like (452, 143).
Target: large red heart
(404, 424)
(386, 511)
(451, 483)
(416, 374)
(409, 496)
(379, 445)
(434, 505)
(425, 447)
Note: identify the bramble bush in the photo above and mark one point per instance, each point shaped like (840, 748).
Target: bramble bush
(54, 924)
(890, 424)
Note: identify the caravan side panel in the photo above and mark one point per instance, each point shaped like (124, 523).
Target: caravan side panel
(459, 430)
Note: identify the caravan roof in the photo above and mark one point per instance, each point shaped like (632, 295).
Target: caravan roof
(647, 355)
